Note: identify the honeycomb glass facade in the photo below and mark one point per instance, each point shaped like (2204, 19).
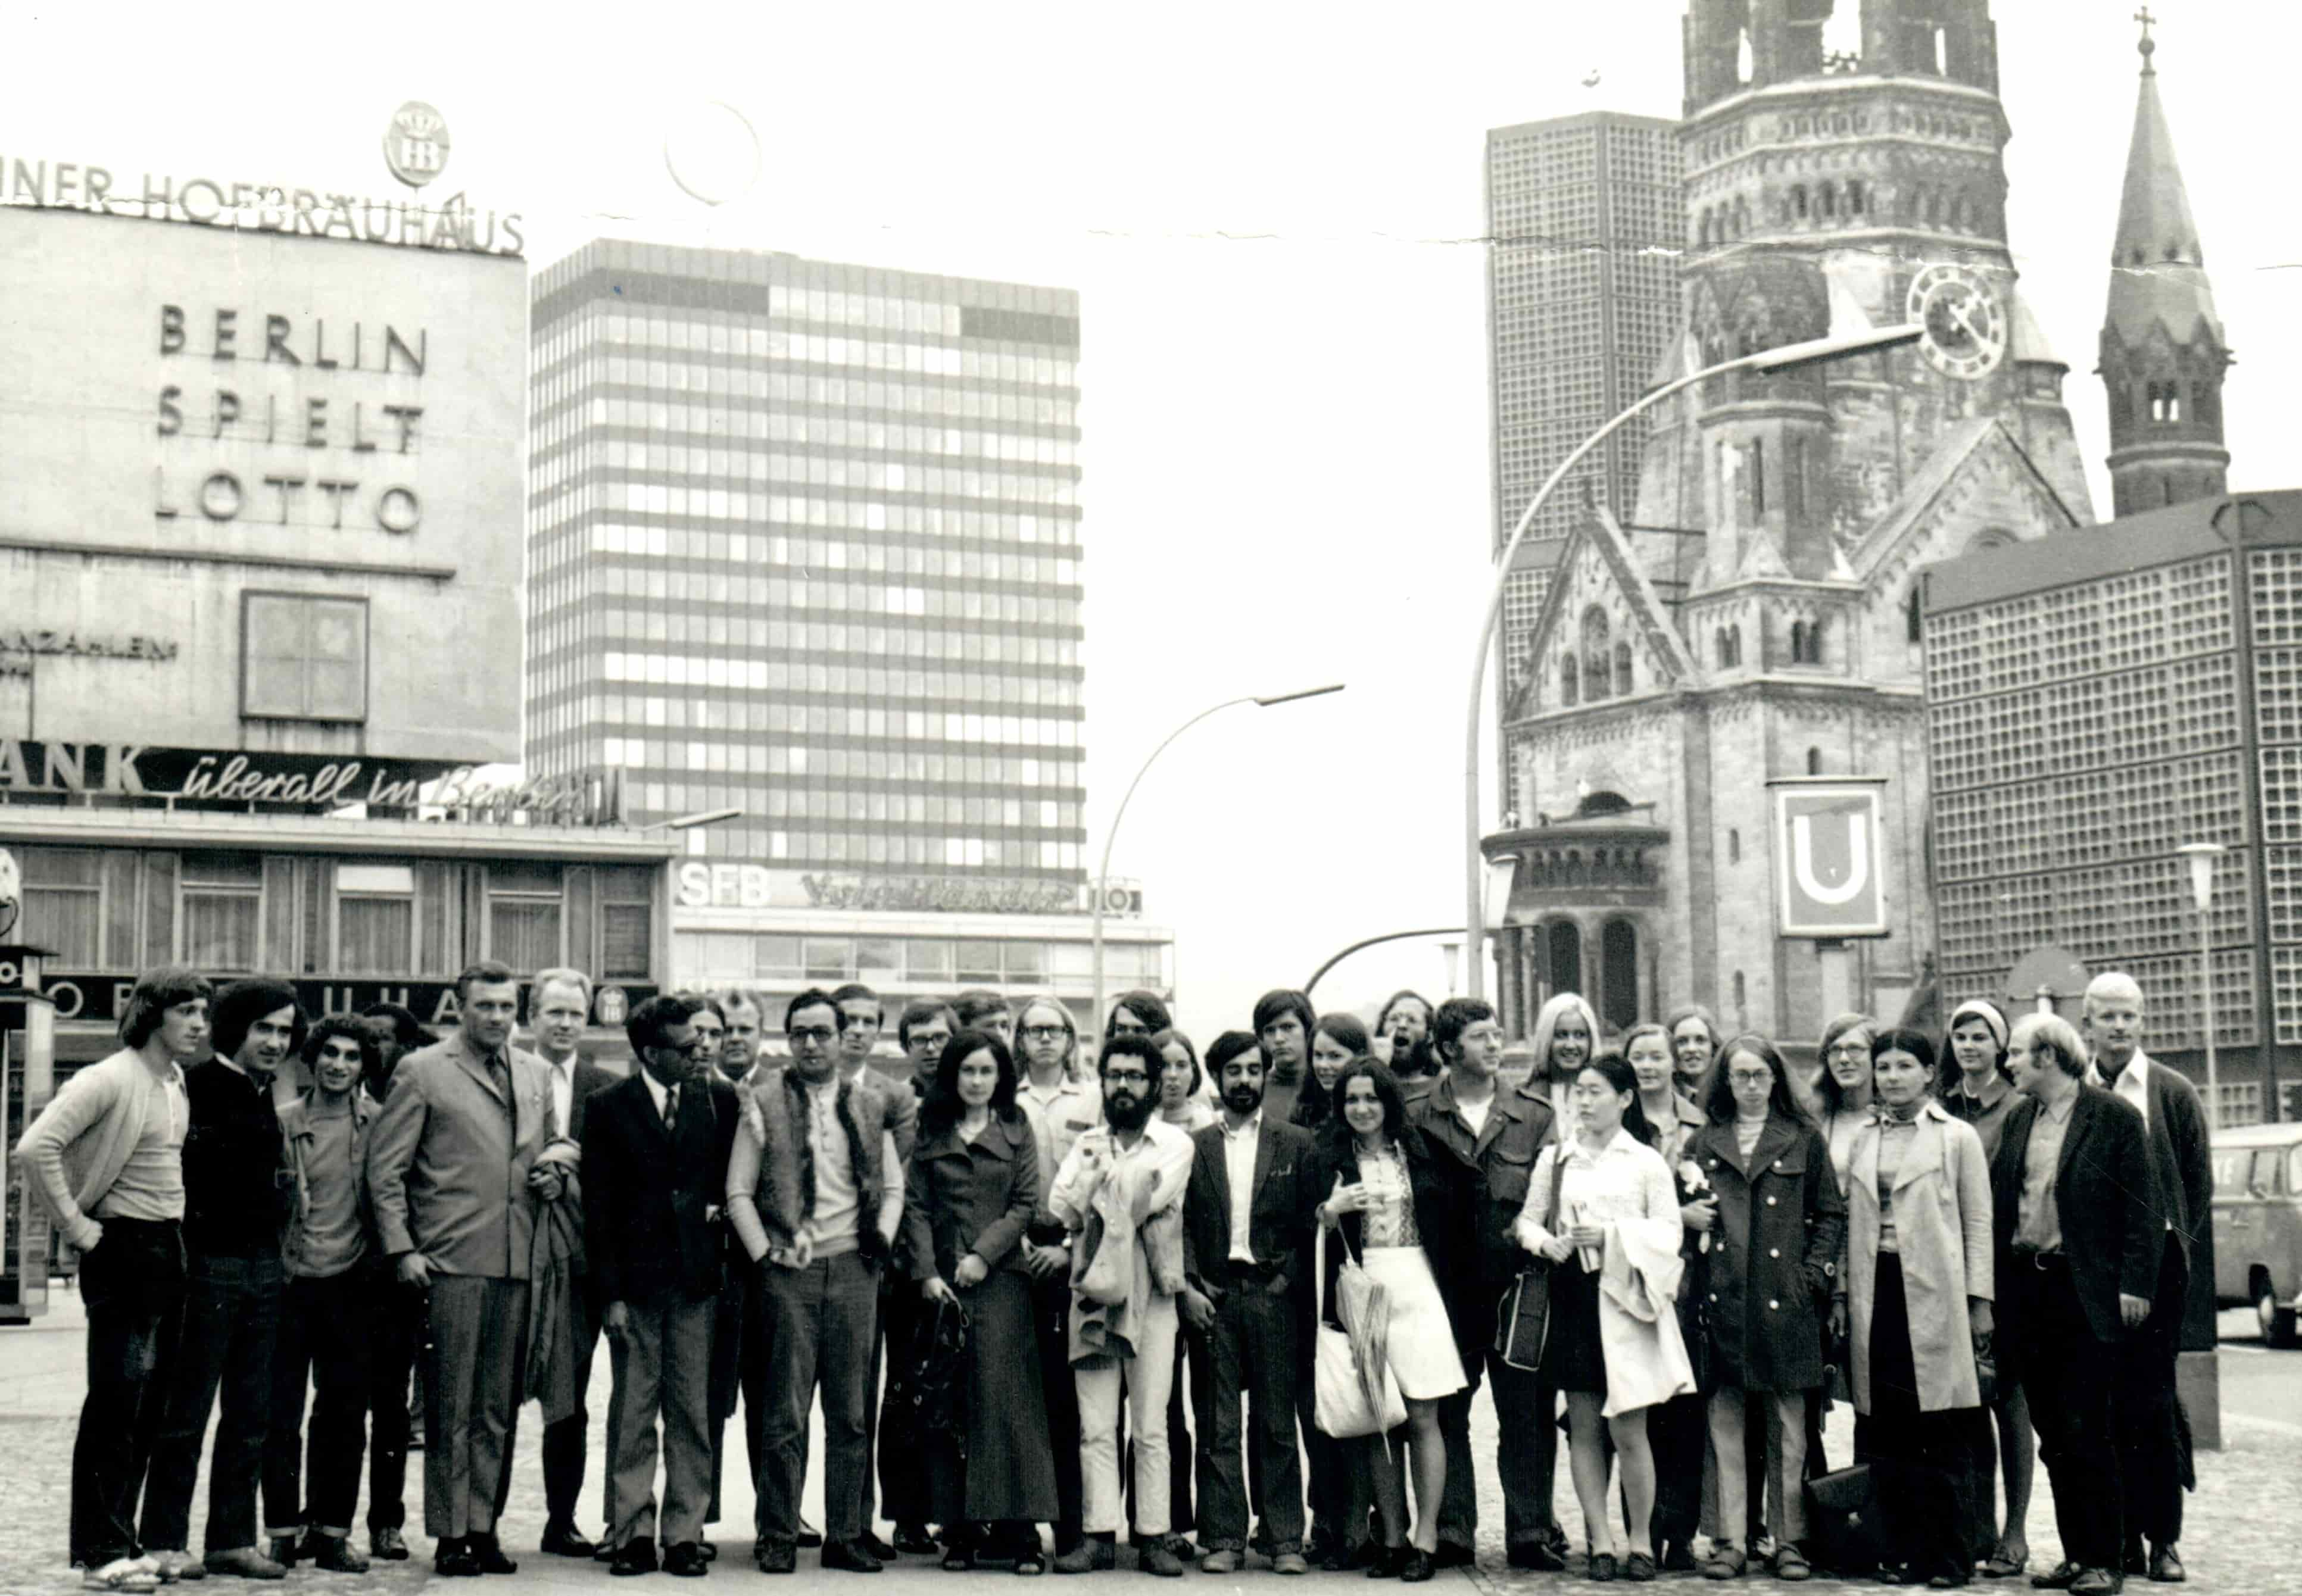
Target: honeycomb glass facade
(804, 541)
(1585, 216)
(2096, 701)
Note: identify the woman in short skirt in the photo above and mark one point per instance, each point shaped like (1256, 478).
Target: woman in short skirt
(1404, 1211)
(1614, 1345)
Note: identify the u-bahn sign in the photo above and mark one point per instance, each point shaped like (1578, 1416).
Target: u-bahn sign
(1830, 859)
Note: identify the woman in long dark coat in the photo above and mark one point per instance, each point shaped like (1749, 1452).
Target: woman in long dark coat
(973, 1185)
(1781, 1223)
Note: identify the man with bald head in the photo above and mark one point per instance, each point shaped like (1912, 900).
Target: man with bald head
(2152, 1438)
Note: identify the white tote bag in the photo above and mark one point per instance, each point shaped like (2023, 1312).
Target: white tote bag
(1354, 1391)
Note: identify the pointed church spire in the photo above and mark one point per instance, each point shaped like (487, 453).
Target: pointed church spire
(2163, 349)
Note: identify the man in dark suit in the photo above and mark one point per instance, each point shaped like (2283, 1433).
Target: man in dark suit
(1245, 1214)
(559, 1008)
(458, 1183)
(2079, 1235)
(1494, 1131)
(655, 1162)
(2153, 1440)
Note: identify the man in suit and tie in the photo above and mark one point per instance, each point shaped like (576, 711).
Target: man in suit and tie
(457, 1192)
(558, 1007)
(655, 1162)
(1494, 1131)
(1245, 1215)
(2152, 1443)
(2079, 1235)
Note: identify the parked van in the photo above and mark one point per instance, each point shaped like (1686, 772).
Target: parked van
(2258, 1224)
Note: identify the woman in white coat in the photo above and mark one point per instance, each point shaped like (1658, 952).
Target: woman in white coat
(1918, 1283)
(1612, 1235)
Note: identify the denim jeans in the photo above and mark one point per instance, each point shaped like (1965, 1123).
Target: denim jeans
(325, 1329)
(231, 1319)
(133, 1287)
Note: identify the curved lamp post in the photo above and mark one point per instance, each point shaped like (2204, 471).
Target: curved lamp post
(1474, 929)
(1103, 871)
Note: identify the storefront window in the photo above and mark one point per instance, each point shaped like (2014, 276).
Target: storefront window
(524, 916)
(877, 958)
(63, 904)
(926, 961)
(375, 919)
(626, 925)
(1027, 962)
(830, 959)
(776, 957)
(980, 961)
(222, 896)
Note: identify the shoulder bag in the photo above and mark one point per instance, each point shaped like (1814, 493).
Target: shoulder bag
(1522, 1318)
(1354, 1391)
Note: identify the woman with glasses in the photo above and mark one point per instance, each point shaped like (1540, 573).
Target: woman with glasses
(971, 1189)
(1773, 1260)
(1842, 1089)
(1974, 1084)
(1614, 1345)
(1918, 1289)
(1059, 1106)
(1404, 1212)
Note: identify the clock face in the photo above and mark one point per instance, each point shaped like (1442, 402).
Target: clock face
(1965, 323)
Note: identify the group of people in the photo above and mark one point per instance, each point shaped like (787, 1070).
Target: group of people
(1020, 1281)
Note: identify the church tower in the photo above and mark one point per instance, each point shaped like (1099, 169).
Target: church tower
(2163, 351)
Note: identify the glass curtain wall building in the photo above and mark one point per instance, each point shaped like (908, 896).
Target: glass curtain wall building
(804, 541)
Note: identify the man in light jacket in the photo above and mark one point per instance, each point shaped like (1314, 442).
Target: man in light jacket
(458, 1184)
(105, 1159)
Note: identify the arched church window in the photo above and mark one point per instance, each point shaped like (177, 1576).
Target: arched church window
(1569, 693)
(1798, 201)
(1825, 200)
(1814, 761)
(1622, 667)
(1854, 197)
(1798, 642)
(1598, 661)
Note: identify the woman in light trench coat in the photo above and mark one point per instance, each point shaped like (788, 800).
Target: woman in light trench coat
(1918, 1284)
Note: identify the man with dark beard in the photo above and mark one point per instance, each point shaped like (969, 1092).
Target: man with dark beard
(1243, 1232)
(1119, 1196)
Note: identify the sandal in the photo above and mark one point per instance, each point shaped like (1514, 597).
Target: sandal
(120, 1574)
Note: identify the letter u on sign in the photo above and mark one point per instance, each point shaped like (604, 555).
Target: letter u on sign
(1829, 859)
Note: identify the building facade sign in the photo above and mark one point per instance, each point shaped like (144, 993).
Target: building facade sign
(416, 144)
(1829, 859)
(77, 645)
(90, 996)
(262, 208)
(305, 780)
(732, 886)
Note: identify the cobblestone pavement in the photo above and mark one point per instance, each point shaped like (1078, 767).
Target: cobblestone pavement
(2241, 1536)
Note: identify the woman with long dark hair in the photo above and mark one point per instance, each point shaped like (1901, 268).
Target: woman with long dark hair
(1974, 1084)
(1678, 1428)
(1694, 1041)
(1774, 1258)
(1183, 1102)
(1842, 1089)
(973, 1186)
(1404, 1212)
(1614, 1345)
(1917, 1285)
(1336, 1041)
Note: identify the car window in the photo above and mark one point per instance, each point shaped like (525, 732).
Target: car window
(2294, 1168)
(2233, 1168)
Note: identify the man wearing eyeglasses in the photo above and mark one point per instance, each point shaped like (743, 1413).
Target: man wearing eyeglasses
(654, 1146)
(815, 1190)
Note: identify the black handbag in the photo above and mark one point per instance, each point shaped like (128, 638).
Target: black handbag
(925, 1398)
(1522, 1318)
(1842, 1526)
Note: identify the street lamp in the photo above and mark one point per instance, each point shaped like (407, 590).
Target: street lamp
(1103, 871)
(1765, 360)
(709, 816)
(2202, 857)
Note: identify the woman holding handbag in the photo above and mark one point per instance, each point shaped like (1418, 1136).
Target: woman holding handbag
(1403, 1215)
(1601, 1206)
(1917, 1287)
(973, 1185)
(1773, 1260)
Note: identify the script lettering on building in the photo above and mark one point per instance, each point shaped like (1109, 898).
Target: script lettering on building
(259, 207)
(303, 781)
(334, 454)
(584, 800)
(941, 894)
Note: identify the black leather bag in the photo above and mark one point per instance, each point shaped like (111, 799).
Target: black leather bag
(1522, 1318)
(1844, 1532)
(926, 1396)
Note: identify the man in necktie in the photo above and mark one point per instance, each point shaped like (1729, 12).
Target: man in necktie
(457, 1192)
(559, 1006)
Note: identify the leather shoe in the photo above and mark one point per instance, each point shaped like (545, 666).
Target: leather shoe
(566, 1540)
(284, 1551)
(808, 1535)
(1678, 1557)
(2166, 1566)
(1539, 1555)
(334, 1554)
(635, 1556)
(2061, 1576)
(776, 1557)
(1453, 1554)
(1222, 1560)
(1289, 1562)
(877, 1548)
(1417, 1566)
(451, 1558)
(2098, 1581)
(687, 1560)
(490, 1552)
(1092, 1555)
(849, 1557)
(244, 1561)
(710, 1548)
(2135, 1561)
(913, 1540)
(1157, 1556)
(387, 1545)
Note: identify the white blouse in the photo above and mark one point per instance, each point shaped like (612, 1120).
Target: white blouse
(1626, 1181)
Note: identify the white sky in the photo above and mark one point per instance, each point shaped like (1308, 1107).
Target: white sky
(1271, 213)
